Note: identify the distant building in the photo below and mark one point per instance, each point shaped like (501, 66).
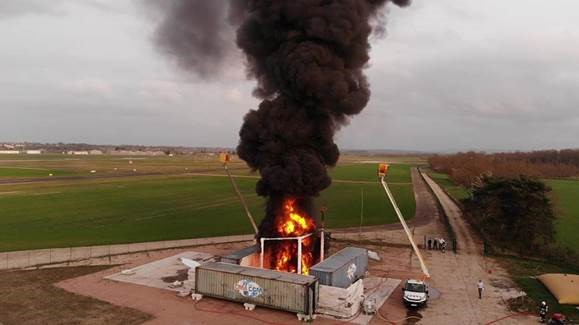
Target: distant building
(137, 153)
(95, 152)
(33, 152)
(78, 153)
(9, 152)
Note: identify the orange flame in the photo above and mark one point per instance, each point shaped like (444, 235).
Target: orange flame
(293, 223)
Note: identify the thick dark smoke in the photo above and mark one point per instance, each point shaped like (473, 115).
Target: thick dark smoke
(196, 33)
(308, 58)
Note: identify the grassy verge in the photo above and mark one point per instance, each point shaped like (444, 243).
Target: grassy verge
(26, 172)
(456, 191)
(29, 297)
(566, 199)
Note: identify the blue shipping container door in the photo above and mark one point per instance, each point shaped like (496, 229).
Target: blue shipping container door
(343, 268)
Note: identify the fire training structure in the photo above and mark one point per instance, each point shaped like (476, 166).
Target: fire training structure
(294, 251)
(296, 232)
(382, 173)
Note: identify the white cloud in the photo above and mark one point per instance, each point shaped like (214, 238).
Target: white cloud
(92, 86)
(161, 90)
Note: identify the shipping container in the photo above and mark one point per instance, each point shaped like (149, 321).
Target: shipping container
(343, 268)
(238, 257)
(274, 289)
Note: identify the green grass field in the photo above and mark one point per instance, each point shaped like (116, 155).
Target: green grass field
(173, 204)
(23, 172)
(566, 199)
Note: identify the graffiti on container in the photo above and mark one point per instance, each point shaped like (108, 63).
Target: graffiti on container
(248, 288)
(351, 270)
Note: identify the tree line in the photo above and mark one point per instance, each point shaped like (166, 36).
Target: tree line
(468, 168)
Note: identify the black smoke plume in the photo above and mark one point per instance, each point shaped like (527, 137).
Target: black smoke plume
(308, 58)
(196, 33)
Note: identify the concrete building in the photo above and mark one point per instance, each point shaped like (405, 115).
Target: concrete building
(9, 152)
(137, 153)
(33, 152)
(78, 153)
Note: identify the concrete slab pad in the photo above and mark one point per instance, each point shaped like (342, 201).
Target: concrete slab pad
(162, 273)
(374, 287)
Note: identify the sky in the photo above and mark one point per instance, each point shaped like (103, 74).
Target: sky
(448, 75)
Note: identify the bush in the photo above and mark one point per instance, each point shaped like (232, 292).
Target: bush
(514, 213)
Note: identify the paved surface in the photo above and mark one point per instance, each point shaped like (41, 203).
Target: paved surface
(456, 277)
(161, 273)
(382, 289)
(167, 307)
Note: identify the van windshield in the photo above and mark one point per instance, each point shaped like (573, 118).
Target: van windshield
(415, 287)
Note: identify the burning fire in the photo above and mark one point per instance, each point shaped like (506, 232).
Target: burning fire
(294, 223)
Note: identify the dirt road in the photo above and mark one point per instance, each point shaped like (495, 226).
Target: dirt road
(456, 277)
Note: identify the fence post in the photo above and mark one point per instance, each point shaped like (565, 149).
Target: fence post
(485, 248)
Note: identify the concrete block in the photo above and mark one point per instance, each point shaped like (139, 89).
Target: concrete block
(341, 302)
(196, 296)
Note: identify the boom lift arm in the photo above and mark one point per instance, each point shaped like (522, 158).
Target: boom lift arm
(382, 172)
(225, 159)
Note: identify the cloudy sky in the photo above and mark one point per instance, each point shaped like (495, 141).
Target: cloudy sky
(449, 75)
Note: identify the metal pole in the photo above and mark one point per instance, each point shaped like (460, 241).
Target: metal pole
(300, 255)
(261, 254)
(241, 198)
(361, 213)
(322, 244)
(405, 226)
(323, 233)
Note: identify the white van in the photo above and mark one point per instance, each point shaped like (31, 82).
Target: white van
(415, 293)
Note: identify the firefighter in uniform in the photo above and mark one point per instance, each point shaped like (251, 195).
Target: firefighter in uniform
(543, 310)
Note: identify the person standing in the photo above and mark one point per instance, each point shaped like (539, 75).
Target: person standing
(543, 310)
(481, 288)
(429, 244)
